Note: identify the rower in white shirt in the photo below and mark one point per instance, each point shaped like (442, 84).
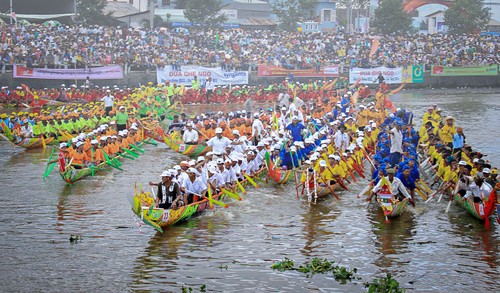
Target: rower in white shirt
(190, 135)
(192, 186)
(218, 142)
(398, 190)
(214, 178)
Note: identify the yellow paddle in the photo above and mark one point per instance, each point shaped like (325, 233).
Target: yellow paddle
(241, 187)
(210, 202)
(251, 180)
(231, 194)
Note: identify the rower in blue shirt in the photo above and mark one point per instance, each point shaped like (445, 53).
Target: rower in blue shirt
(295, 129)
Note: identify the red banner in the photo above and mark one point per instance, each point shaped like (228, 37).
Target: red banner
(270, 70)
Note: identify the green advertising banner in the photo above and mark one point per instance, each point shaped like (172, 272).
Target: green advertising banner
(490, 70)
(413, 74)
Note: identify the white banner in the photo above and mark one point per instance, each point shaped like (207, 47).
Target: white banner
(369, 75)
(95, 73)
(187, 74)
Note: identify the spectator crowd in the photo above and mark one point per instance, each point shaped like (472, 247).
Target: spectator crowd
(37, 45)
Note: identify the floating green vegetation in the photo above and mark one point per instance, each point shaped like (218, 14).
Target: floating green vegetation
(384, 285)
(318, 266)
(185, 289)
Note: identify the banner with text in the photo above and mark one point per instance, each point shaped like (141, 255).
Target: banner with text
(187, 74)
(95, 73)
(491, 70)
(369, 75)
(413, 74)
(271, 70)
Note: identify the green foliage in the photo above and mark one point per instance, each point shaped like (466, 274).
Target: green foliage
(384, 285)
(424, 25)
(466, 16)
(390, 18)
(90, 12)
(318, 266)
(205, 12)
(157, 22)
(284, 265)
(181, 4)
(289, 12)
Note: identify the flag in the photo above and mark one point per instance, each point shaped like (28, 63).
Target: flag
(14, 16)
(375, 45)
(62, 162)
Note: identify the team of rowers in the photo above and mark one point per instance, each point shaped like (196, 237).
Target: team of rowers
(91, 148)
(327, 142)
(457, 167)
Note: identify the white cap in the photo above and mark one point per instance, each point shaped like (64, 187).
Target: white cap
(74, 140)
(236, 132)
(322, 163)
(475, 160)
(192, 163)
(94, 141)
(260, 144)
(166, 174)
(192, 170)
(201, 159)
(62, 145)
(78, 144)
(218, 130)
(462, 163)
(209, 154)
(220, 161)
(122, 107)
(486, 170)
(103, 138)
(177, 168)
(212, 169)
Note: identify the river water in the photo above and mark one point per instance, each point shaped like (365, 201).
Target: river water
(231, 250)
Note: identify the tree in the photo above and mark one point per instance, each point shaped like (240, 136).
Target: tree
(180, 4)
(466, 16)
(92, 12)
(205, 12)
(424, 25)
(289, 12)
(390, 18)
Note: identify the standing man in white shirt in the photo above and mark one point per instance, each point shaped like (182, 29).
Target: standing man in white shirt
(396, 136)
(257, 128)
(341, 138)
(190, 135)
(209, 87)
(218, 143)
(108, 100)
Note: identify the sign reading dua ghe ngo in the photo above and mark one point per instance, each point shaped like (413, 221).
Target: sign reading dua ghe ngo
(187, 74)
(95, 73)
(491, 70)
(410, 74)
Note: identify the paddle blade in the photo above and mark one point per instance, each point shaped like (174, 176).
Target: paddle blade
(210, 200)
(251, 181)
(241, 187)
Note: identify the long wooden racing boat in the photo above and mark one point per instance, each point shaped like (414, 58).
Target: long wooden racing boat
(177, 145)
(323, 191)
(390, 206)
(33, 142)
(159, 219)
(479, 211)
(70, 174)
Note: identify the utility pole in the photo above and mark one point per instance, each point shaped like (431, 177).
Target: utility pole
(152, 13)
(10, 11)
